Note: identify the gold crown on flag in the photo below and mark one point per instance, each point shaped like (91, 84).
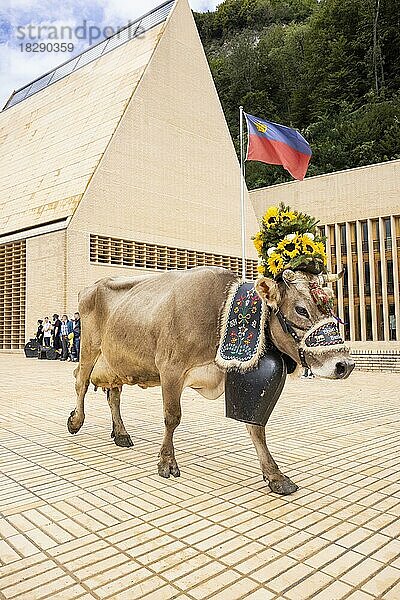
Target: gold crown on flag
(262, 127)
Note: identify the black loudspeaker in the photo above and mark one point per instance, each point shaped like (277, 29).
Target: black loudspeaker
(31, 348)
(41, 353)
(30, 352)
(51, 354)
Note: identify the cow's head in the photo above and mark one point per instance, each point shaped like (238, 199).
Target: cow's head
(301, 323)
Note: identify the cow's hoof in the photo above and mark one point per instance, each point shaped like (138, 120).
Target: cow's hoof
(72, 423)
(284, 486)
(123, 440)
(167, 468)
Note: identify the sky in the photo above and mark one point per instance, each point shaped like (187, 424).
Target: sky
(20, 21)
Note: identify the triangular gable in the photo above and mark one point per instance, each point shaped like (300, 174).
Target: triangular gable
(170, 174)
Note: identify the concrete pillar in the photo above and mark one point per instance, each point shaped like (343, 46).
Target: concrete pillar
(361, 281)
(328, 249)
(396, 287)
(372, 281)
(382, 246)
(340, 303)
(350, 280)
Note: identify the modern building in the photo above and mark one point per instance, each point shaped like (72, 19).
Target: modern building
(120, 161)
(359, 213)
(117, 161)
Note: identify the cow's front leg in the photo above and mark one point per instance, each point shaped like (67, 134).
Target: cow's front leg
(278, 482)
(119, 433)
(171, 393)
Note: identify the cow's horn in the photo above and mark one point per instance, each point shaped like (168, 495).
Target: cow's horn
(288, 276)
(330, 277)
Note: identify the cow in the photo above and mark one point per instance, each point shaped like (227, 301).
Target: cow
(163, 330)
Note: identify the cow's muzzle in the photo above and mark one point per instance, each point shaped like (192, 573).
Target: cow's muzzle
(343, 368)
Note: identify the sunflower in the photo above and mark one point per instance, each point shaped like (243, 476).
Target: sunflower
(261, 269)
(290, 248)
(308, 245)
(319, 248)
(287, 215)
(258, 242)
(275, 263)
(271, 217)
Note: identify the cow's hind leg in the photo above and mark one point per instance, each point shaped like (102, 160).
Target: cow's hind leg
(172, 417)
(82, 375)
(119, 433)
(278, 482)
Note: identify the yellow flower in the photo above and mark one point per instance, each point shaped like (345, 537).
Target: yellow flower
(275, 263)
(258, 242)
(271, 216)
(261, 269)
(319, 248)
(290, 247)
(287, 215)
(309, 247)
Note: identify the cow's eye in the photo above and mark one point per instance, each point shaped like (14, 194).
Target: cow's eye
(302, 311)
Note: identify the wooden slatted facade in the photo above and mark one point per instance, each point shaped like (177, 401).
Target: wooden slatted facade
(12, 295)
(140, 255)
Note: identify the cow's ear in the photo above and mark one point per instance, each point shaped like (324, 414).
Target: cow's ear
(268, 291)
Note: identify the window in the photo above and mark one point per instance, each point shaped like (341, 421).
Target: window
(346, 323)
(345, 284)
(367, 284)
(388, 228)
(343, 238)
(378, 278)
(368, 319)
(364, 238)
(390, 282)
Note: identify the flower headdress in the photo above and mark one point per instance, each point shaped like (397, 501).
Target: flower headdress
(289, 239)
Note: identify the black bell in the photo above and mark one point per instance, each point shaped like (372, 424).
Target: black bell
(251, 396)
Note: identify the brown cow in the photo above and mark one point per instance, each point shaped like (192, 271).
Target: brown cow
(163, 329)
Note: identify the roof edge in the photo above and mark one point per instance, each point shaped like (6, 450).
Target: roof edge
(270, 187)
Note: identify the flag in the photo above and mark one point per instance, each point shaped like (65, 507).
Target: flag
(277, 145)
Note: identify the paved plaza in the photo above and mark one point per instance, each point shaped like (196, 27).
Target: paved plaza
(82, 518)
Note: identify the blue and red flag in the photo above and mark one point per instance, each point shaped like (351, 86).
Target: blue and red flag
(277, 145)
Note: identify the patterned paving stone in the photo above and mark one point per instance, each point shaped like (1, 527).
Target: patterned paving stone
(81, 518)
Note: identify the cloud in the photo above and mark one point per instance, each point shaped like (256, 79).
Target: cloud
(17, 68)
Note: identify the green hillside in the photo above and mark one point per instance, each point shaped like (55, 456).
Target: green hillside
(329, 68)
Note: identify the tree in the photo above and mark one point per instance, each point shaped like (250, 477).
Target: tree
(329, 68)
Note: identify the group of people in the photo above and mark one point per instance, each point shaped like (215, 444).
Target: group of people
(64, 335)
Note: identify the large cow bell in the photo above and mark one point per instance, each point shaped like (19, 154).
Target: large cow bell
(251, 396)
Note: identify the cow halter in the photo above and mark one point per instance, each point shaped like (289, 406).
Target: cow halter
(320, 338)
(288, 327)
(322, 335)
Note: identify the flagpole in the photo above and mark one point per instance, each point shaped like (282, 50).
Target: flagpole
(242, 190)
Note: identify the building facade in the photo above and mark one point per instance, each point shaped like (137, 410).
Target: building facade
(118, 161)
(359, 213)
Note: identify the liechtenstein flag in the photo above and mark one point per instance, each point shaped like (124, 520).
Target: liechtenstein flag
(277, 145)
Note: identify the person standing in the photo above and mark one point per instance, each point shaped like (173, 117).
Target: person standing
(47, 327)
(39, 332)
(77, 336)
(65, 333)
(66, 330)
(57, 334)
